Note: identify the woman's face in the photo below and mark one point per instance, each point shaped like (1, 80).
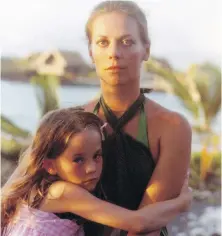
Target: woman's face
(117, 49)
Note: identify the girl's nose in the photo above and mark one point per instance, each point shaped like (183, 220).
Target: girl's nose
(91, 167)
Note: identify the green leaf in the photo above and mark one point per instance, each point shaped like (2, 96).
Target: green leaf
(9, 127)
(198, 88)
(46, 88)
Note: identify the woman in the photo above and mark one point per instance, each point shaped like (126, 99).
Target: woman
(148, 145)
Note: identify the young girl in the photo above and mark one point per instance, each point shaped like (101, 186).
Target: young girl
(62, 175)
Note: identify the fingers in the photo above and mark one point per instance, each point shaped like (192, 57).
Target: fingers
(186, 180)
(102, 128)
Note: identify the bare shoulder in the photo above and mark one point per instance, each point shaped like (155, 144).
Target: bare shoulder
(90, 105)
(60, 189)
(56, 190)
(166, 119)
(170, 139)
(61, 196)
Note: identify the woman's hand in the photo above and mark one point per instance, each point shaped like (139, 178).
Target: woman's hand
(186, 195)
(183, 201)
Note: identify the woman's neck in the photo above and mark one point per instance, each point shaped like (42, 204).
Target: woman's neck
(119, 98)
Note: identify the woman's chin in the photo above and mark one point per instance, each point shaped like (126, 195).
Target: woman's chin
(115, 80)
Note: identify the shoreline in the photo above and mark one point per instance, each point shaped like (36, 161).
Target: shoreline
(146, 85)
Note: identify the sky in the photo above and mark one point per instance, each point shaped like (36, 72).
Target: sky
(181, 31)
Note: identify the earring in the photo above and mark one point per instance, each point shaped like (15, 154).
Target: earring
(51, 172)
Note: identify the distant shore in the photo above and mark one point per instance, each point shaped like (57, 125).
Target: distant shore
(84, 82)
(69, 82)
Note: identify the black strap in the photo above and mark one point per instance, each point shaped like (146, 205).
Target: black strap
(123, 184)
(118, 124)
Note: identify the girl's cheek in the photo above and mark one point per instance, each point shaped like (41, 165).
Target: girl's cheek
(77, 170)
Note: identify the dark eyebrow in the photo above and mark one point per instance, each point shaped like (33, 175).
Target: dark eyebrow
(78, 154)
(124, 36)
(102, 36)
(98, 151)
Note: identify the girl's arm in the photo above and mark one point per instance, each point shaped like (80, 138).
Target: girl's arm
(67, 197)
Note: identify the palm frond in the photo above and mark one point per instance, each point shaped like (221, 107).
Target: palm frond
(12, 147)
(11, 128)
(208, 82)
(46, 88)
(182, 88)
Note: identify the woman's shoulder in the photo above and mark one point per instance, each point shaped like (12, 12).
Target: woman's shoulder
(91, 105)
(165, 118)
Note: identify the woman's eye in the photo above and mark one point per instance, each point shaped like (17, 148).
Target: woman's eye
(78, 160)
(128, 42)
(103, 43)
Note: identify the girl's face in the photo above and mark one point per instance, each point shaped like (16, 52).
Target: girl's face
(116, 48)
(81, 162)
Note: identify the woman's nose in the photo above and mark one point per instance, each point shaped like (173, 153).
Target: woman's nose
(114, 51)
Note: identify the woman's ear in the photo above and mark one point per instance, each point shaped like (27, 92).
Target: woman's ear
(49, 166)
(147, 52)
(90, 53)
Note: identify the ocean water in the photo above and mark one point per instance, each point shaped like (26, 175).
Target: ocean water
(18, 103)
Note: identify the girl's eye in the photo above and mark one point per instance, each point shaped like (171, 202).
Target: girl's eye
(103, 43)
(78, 160)
(127, 42)
(98, 156)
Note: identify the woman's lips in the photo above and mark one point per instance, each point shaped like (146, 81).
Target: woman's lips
(115, 68)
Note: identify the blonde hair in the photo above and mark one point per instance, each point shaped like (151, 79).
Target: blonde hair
(129, 8)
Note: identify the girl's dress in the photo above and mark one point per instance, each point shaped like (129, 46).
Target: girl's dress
(32, 222)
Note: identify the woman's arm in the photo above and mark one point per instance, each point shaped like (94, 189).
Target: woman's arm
(67, 197)
(173, 161)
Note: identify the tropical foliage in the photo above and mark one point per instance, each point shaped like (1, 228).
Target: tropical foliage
(199, 90)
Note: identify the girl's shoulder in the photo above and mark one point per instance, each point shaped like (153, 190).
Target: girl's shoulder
(61, 192)
(56, 190)
(62, 197)
(60, 189)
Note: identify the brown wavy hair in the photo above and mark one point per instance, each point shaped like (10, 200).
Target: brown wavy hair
(50, 141)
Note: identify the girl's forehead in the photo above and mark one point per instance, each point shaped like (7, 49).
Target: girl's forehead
(114, 24)
(88, 137)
